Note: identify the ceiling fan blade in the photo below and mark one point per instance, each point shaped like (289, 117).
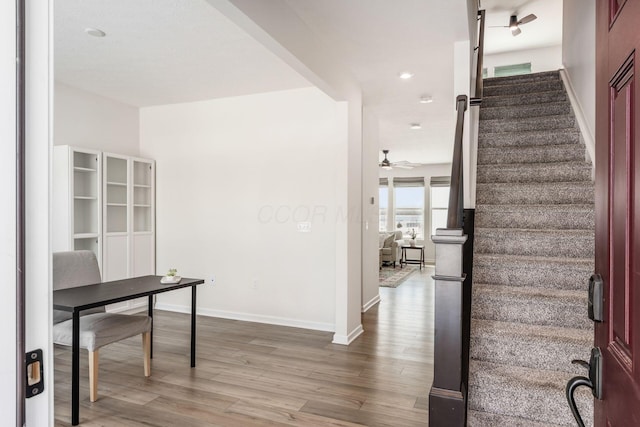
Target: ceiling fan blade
(516, 32)
(527, 19)
(395, 165)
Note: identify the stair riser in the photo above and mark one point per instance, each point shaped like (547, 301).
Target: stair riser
(553, 76)
(543, 275)
(514, 195)
(543, 173)
(526, 125)
(550, 154)
(515, 139)
(516, 112)
(537, 404)
(523, 88)
(536, 220)
(524, 99)
(532, 244)
(548, 312)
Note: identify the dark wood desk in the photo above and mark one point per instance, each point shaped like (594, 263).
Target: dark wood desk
(75, 300)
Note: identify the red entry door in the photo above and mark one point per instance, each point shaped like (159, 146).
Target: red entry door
(618, 208)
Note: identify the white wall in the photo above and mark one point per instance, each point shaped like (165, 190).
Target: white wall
(234, 177)
(87, 120)
(8, 398)
(370, 211)
(542, 59)
(427, 172)
(579, 54)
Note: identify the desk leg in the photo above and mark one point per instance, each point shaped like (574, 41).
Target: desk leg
(150, 309)
(75, 369)
(193, 326)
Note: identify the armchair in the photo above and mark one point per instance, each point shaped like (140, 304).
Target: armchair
(97, 328)
(391, 247)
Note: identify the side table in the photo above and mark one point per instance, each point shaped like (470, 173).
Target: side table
(405, 261)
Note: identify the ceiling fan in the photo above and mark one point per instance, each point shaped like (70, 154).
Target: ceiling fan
(514, 23)
(386, 164)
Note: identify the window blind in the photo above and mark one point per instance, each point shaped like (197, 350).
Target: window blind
(408, 182)
(440, 181)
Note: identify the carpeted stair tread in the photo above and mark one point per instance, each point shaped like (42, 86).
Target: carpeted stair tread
(533, 394)
(564, 121)
(528, 138)
(577, 217)
(532, 346)
(486, 419)
(531, 154)
(501, 81)
(532, 242)
(515, 87)
(544, 272)
(535, 172)
(526, 110)
(534, 193)
(517, 100)
(531, 305)
(533, 255)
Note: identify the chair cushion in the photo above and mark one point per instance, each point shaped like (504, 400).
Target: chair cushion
(388, 241)
(100, 329)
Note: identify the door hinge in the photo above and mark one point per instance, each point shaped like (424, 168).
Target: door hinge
(35, 373)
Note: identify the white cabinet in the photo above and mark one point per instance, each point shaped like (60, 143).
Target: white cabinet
(77, 201)
(128, 216)
(105, 202)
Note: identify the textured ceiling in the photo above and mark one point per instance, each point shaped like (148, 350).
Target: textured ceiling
(161, 52)
(171, 51)
(378, 39)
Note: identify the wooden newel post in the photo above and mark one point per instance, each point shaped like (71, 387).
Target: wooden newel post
(448, 395)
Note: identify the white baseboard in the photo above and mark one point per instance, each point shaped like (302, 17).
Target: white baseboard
(587, 135)
(248, 317)
(373, 301)
(348, 339)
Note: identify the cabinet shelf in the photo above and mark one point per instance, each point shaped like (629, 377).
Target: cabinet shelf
(142, 206)
(85, 198)
(122, 205)
(80, 169)
(117, 184)
(141, 186)
(85, 236)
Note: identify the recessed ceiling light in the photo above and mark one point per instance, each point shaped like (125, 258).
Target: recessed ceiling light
(415, 126)
(95, 32)
(405, 75)
(425, 99)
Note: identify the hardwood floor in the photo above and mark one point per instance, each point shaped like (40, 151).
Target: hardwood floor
(251, 374)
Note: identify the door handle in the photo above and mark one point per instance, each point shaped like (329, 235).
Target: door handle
(594, 382)
(596, 298)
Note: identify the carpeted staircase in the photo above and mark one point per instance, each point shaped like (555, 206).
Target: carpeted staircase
(533, 255)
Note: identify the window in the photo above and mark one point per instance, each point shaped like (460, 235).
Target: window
(383, 199)
(409, 206)
(439, 205)
(512, 70)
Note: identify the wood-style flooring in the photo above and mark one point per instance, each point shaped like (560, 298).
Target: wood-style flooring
(251, 374)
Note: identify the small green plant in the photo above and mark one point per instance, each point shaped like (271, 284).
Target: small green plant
(172, 272)
(413, 234)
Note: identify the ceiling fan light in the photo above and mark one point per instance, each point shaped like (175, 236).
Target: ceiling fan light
(387, 167)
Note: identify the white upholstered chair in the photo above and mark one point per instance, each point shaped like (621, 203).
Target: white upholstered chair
(97, 328)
